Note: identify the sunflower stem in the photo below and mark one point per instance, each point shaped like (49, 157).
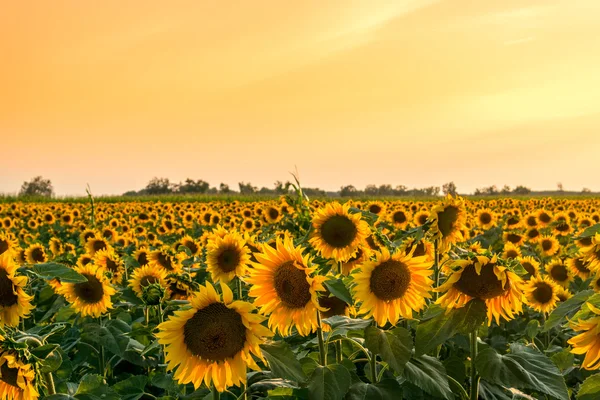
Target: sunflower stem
(436, 267)
(215, 393)
(474, 378)
(239, 289)
(49, 383)
(373, 362)
(339, 352)
(322, 353)
(244, 395)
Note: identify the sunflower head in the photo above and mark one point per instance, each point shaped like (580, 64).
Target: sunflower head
(541, 294)
(337, 233)
(558, 272)
(14, 302)
(548, 245)
(145, 277)
(227, 257)
(91, 297)
(214, 341)
(17, 379)
(448, 221)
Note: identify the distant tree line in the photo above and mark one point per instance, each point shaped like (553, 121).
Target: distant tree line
(40, 187)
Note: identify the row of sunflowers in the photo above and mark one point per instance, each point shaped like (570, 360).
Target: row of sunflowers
(298, 299)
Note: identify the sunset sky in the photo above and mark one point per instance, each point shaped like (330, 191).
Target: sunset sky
(418, 93)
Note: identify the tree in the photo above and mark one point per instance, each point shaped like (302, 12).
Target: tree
(521, 190)
(560, 187)
(158, 186)
(38, 186)
(224, 188)
(247, 188)
(347, 191)
(401, 190)
(586, 190)
(282, 188)
(191, 186)
(449, 188)
(505, 189)
(385, 190)
(371, 190)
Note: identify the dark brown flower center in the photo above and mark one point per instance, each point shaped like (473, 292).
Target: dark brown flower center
(422, 219)
(485, 218)
(335, 306)
(581, 265)
(513, 238)
(291, 285)
(228, 259)
(9, 375)
(142, 258)
(528, 267)
(531, 221)
(512, 253)
(111, 265)
(98, 245)
(375, 208)
(165, 261)
(273, 213)
(7, 296)
(546, 244)
(390, 280)
(338, 231)
(191, 245)
(484, 286)
(3, 246)
(37, 254)
(91, 291)
(545, 218)
(533, 233)
(559, 273)
(399, 217)
(542, 293)
(585, 242)
(446, 220)
(148, 280)
(215, 333)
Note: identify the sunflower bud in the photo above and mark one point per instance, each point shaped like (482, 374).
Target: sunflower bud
(152, 294)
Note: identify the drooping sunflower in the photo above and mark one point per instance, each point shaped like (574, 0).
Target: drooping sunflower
(146, 275)
(393, 286)
(36, 254)
(421, 218)
(483, 278)
(283, 286)
(548, 246)
(448, 222)
(541, 294)
(17, 379)
(579, 266)
(92, 297)
(563, 294)
(213, 341)
(141, 255)
(588, 342)
(111, 263)
(337, 233)
(227, 257)
(14, 302)
(514, 238)
(165, 258)
(558, 272)
(191, 244)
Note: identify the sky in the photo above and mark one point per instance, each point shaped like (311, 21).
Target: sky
(411, 92)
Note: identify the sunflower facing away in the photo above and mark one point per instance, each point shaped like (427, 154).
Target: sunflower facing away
(16, 379)
(588, 342)
(337, 233)
(393, 286)
(14, 302)
(592, 253)
(283, 286)
(92, 297)
(227, 257)
(541, 294)
(110, 262)
(448, 220)
(483, 278)
(145, 276)
(214, 340)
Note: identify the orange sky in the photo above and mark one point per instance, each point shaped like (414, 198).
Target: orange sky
(416, 92)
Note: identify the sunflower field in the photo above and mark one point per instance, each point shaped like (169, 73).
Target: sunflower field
(294, 298)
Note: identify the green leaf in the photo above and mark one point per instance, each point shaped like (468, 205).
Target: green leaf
(52, 361)
(523, 368)
(384, 390)
(53, 270)
(329, 383)
(443, 325)
(283, 361)
(93, 387)
(341, 325)
(590, 388)
(532, 329)
(429, 374)
(566, 308)
(112, 335)
(131, 388)
(338, 289)
(590, 231)
(564, 360)
(43, 351)
(394, 347)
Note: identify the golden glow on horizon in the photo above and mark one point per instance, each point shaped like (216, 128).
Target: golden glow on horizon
(404, 92)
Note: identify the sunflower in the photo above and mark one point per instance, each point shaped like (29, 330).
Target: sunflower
(8, 244)
(544, 218)
(592, 253)
(337, 233)
(92, 297)
(283, 286)
(558, 272)
(533, 235)
(273, 214)
(36, 254)
(393, 286)
(191, 244)
(400, 218)
(141, 255)
(14, 302)
(145, 276)
(248, 225)
(333, 306)
(511, 251)
(548, 246)
(530, 264)
(16, 379)
(362, 254)
(588, 342)
(483, 278)
(579, 266)
(514, 238)
(448, 222)
(563, 294)
(541, 294)
(486, 219)
(164, 258)
(214, 340)
(110, 262)
(95, 244)
(376, 207)
(421, 218)
(227, 257)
